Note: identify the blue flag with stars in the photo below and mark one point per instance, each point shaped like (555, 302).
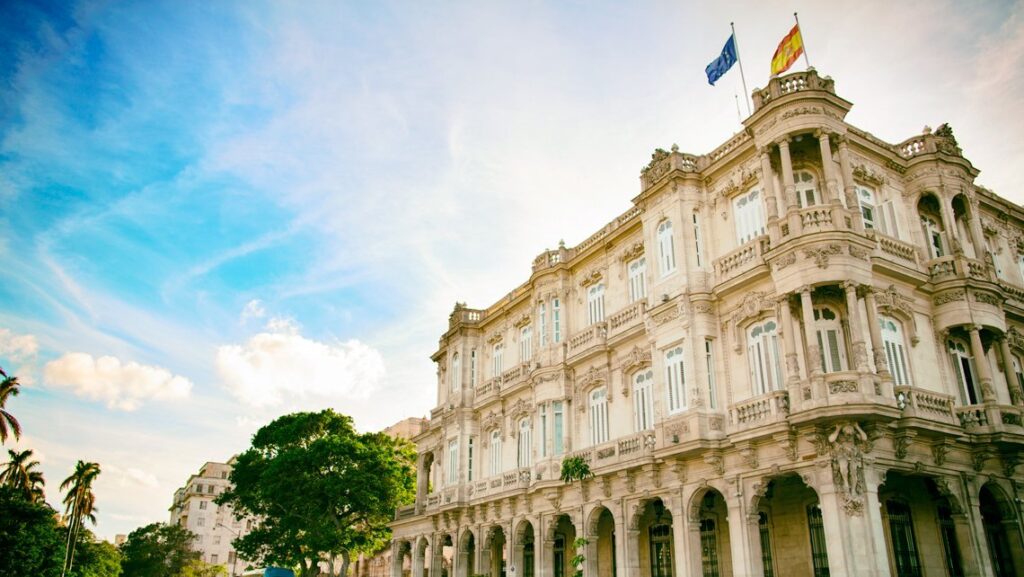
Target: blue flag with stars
(719, 66)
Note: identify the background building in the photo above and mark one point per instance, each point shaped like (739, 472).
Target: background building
(798, 354)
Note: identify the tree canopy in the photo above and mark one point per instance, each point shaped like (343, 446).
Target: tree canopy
(31, 543)
(322, 491)
(158, 549)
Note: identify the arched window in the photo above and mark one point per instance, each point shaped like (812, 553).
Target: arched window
(525, 443)
(526, 344)
(495, 452)
(807, 193)
(675, 379)
(963, 367)
(763, 357)
(748, 212)
(637, 281)
(895, 351)
(453, 462)
(643, 401)
(599, 416)
(456, 374)
(496, 360)
(595, 303)
(866, 198)
(830, 339)
(933, 234)
(697, 240)
(666, 248)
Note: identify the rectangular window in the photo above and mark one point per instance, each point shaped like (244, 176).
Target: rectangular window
(895, 353)
(885, 219)
(595, 304)
(556, 319)
(901, 534)
(558, 428)
(866, 197)
(526, 344)
(819, 554)
(675, 380)
(666, 248)
(453, 462)
(216, 539)
(496, 360)
(643, 401)
(542, 320)
(992, 246)
(698, 243)
(495, 452)
(202, 505)
(637, 281)
(543, 430)
(213, 559)
(709, 357)
(599, 416)
(469, 458)
(524, 458)
(472, 368)
(748, 212)
(766, 545)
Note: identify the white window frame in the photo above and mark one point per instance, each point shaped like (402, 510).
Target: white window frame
(698, 242)
(497, 359)
(456, 373)
(526, 344)
(934, 236)
(542, 322)
(806, 182)
(666, 248)
(749, 215)
(643, 400)
(558, 427)
(469, 457)
(967, 377)
(709, 359)
(556, 319)
(595, 303)
(543, 415)
(452, 469)
(763, 357)
(831, 340)
(895, 350)
(868, 206)
(495, 452)
(675, 379)
(599, 416)
(525, 443)
(472, 368)
(637, 272)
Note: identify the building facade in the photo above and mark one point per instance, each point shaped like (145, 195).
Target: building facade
(214, 525)
(797, 355)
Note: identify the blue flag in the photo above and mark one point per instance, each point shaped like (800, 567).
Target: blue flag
(723, 63)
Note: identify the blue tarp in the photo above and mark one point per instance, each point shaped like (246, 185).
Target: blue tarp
(278, 572)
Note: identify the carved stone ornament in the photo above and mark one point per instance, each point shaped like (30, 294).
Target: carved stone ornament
(785, 261)
(716, 462)
(495, 338)
(636, 250)
(848, 445)
(492, 421)
(754, 303)
(635, 360)
(521, 408)
(949, 297)
(591, 277)
(821, 255)
(703, 307)
(859, 252)
(891, 303)
(939, 452)
(522, 321)
(843, 387)
(592, 378)
(868, 174)
(987, 298)
(1016, 338)
(749, 456)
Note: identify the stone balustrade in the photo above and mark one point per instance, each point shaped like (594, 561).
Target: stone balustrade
(816, 218)
(626, 318)
(595, 334)
(761, 410)
(742, 259)
(897, 248)
(924, 404)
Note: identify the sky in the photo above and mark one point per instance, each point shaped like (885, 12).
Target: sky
(215, 213)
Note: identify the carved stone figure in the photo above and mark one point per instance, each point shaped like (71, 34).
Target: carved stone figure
(847, 444)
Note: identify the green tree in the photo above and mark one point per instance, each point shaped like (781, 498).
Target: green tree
(80, 505)
(21, 474)
(158, 549)
(96, 558)
(8, 388)
(321, 491)
(30, 538)
(198, 568)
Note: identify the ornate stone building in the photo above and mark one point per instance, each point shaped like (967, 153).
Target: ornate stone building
(796, 355)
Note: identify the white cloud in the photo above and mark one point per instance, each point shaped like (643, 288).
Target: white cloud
(253, 310)
(281, 365)
(122, 386)
(18, 348)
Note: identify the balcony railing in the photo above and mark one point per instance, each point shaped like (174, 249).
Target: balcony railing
(626, 318)
(760, 410)
(897, 248)
(923, 404)
(742, 259)
(595, 334)
(985, 418)
(958, 266)
(816, 218)
(621, 450)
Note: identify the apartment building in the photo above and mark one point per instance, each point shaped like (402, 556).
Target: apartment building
(798, 355)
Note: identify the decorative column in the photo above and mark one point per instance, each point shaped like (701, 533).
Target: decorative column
(632, 550)
(849, 187)
(417, 559)
(789, 186)
(768, 186)
(679, 532)
(437, 555)
(826, 165)
(1016, 396)
(988, 394)
(810, 336)
(744, 539)
(396, 558)
(860, 353)
(789, 336)
(977, 237)
(620, 542)
(875, 332)
(545, 559)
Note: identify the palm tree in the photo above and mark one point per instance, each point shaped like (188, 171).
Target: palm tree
(21, 474)
(79, 505)
(8, 388)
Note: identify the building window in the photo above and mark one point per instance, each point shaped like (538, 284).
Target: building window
(213, 559)
(895, 352)
(472, 368)
(637, 282)
(709, 548)
(558, 427)
(666, 248)
(495, 452)
(643, 401)
(901, 536)
(806, 188)
(933, 234)
(748, 212)
(763, 357)
(469, 458)
(202, 504)
(1020, 266)
(496, 360)
(453, 462)
(992, 246)
(543, 430)
(542, 320)
(675, 379)
(558, 551)
(709, 358)
(525, 443)
(963, 366)
(660, 537)
(697, 242)
(456, 375)
(831, 344)
(201, 522)
(1017, 370)
(766, 545)
(556, 319)
(866, 197)
(216, 539)
(950, 547)
(526, 344)
(819, 554)
(599, 416)
(595, 304)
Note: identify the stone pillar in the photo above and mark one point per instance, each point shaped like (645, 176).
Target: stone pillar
(744, 540)
(620, 545)
(977, 541)
(875, 332)
(679, 533)
(977, 237)
(546, 553)
(460, 560)
(854, 535)
(483, 555)
(860, 352)
(396, 559)
(849, 187)
(981, 363)
(1016, 395)
(417, 559)
(952, 239)
(813, 356)
(789, 340)
(768, 186)
(632, 551)
(831, 187)
(436, 555)
(789, 186)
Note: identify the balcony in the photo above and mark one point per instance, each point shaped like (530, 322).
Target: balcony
(990, 418)
(843, 392)
(623, 450)
(747, 257)
(495, 485)
(952, 267)
(626, 319)
(515, 375)
(791, 84)
(922, 404)
(817, 218)
(759, 411)
(596, 335)
(488, 391)
(897, 250)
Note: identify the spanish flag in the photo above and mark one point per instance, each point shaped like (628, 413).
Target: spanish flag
(791, 47)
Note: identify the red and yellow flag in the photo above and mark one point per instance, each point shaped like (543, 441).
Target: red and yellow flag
(791, 47)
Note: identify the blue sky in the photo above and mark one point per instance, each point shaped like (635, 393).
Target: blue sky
(215, 213)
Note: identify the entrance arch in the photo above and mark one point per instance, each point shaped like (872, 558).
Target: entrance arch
(601, 553)
(1002, 531)
(708, 518)
(790, 528)
(466, 566)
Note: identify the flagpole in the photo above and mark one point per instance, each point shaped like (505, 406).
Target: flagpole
(803, 41)
(746, 93)
(739, 115)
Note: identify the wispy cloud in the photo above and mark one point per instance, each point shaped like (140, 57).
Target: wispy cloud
(124, 386)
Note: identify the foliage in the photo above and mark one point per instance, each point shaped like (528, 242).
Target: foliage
(321, 490)
(578, 559)
(79, 506)
(96, 558)
(30, 539)
(575, 468)
(8, 424)
(157, 549)
(21, 475)
(198, 568)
